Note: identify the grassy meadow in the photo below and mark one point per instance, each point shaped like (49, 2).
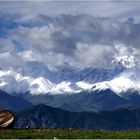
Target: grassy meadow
(67, 134)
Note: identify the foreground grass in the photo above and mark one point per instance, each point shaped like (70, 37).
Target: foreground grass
(67, 133)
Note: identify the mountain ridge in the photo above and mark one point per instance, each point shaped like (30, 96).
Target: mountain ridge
(117, 90)
(42, 116)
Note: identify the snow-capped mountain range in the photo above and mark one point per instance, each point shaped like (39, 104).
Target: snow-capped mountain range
(14, 82)
(120, 82)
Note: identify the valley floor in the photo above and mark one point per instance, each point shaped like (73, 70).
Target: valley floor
(67, 134)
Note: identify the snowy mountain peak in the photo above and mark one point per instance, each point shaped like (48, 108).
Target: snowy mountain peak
(84, 85)
(40, 85)
(125, 81)
(65, 87)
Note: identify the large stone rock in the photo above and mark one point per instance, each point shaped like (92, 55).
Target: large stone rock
(7, 119)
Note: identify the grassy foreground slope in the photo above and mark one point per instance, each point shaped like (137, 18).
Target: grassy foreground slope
(67, 133)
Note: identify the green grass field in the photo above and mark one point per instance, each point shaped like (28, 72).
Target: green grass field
(67, 134)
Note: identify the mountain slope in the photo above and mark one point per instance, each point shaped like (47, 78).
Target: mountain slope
(44, 116)
(14, 103)
(85, 100)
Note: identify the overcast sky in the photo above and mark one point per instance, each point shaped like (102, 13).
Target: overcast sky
(120, 9)
(79, 33)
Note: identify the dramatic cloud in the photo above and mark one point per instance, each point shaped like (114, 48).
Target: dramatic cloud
(77, 40)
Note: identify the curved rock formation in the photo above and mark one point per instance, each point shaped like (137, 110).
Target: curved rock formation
(7, 119)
